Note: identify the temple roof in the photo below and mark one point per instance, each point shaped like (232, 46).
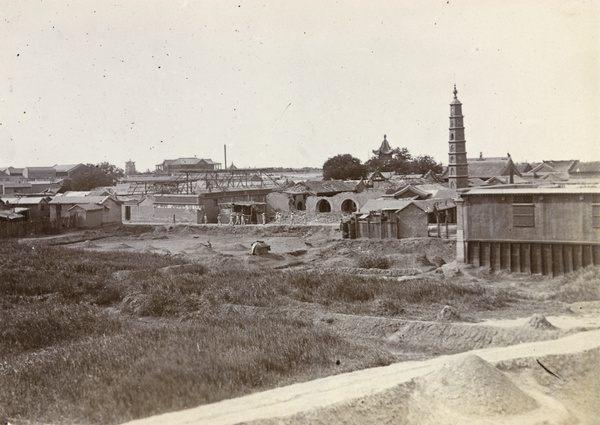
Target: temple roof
(385, 148)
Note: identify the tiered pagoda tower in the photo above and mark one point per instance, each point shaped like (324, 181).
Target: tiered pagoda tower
(458, 173)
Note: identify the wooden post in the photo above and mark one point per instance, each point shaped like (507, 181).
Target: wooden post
(587, 258)
(568, 258)
(547, 266)
(497, 256)
(505, 258)
(476, 254)
(577, 257)
(515, 257)
(536, 259)
(526, 258)
(557, 257)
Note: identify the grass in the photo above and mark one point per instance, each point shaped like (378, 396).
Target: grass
(102, 338)
(373, 261)
(583, 285)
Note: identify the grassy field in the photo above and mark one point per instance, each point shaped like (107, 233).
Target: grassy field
(102, 338)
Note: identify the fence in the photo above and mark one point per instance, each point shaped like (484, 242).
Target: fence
(442, 230)
(376, 229)
(21, 229)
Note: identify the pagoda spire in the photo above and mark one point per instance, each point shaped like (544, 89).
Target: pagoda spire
(458, 174)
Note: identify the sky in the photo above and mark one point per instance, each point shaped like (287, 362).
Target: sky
(293, 83)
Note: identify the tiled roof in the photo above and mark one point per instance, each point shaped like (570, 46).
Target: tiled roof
(24, 200)
(484, 168)
(87, 207)
(385, 148)
(71, 200)
(322, 187)
(531, 190)
(586, 167)
(64, 168)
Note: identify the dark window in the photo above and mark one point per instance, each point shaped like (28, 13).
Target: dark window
(523, 211)
(596, 216)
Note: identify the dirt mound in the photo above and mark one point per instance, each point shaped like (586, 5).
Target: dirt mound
(538, 321)
(452, 337)
(449, 314)
(238, 247)
(150, 247)
(123, 246)
(470, 385)
(90, 244)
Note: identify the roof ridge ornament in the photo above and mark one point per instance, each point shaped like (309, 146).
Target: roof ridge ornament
(455, 91)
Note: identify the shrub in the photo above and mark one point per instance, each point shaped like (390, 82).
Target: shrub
(581, 285)
(373, 261)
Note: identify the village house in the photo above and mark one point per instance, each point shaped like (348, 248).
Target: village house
(67, 170)
(481, 170)
(39, 173)
(547, 230)
(585, 171)
(62, 211)
(409, 212)
(323, 196)
(34, 208)
(379, 180)
(13, 172)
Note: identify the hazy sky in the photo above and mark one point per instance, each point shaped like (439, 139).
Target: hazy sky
(292, 83)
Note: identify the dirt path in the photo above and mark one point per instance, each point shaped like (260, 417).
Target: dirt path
(321, 393)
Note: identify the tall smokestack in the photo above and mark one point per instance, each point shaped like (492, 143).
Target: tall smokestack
(225, 152)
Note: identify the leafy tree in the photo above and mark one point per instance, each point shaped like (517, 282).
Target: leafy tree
(91, 176)
(404, 163)
(422, 164)
(344, 167)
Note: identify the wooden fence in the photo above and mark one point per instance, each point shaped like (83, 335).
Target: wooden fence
(376, 229)
(21, 229)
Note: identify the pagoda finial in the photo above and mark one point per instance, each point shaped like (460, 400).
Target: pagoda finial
(455, 91)
(384, 136)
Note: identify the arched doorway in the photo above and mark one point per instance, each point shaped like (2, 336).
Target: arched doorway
(300, 206)
(323, 206)
(349, 206)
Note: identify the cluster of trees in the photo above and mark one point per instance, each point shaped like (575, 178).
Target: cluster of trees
(91, 176)
(347, 167)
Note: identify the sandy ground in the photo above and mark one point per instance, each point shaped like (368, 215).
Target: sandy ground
(319, 401)
(515, 368)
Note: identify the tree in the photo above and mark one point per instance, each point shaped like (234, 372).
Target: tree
(422, 164)
(91, 176)
(404, 163)
(344, 167)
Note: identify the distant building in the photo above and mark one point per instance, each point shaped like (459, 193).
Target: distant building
(39, 173)
(130, 168)
(385, 151)
(187, 165)
(66, 171)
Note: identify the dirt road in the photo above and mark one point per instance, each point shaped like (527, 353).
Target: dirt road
(323, 393)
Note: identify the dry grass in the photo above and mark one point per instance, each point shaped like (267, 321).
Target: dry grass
(102, 338)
